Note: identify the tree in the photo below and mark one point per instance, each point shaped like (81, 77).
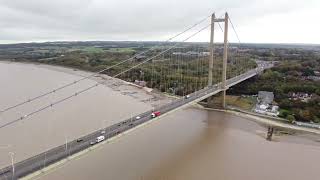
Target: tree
(286, 104)
(318, 91)
(304, 115)
(291, 118)
(307, 72)
(284, 113)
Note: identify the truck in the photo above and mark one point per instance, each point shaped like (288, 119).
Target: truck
(155, 114)
(100, 138)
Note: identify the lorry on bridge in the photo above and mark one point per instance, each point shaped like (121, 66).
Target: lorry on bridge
(155, 114)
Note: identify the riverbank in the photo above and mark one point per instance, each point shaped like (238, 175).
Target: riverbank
(281, 126)
(143, 94)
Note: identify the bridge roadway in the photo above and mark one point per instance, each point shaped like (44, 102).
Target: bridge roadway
(59, 153)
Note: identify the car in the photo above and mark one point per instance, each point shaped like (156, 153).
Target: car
(92, 143)
(100, 138)
(79, 140)
(131, 124)
(187, 96)
(103, 132)
(138, 117)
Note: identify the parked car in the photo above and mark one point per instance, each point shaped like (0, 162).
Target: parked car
(138, 117)
(79, 140)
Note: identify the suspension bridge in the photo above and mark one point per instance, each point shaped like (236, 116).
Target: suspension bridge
(180, 68)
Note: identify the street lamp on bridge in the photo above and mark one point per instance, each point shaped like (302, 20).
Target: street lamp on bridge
(12, 163)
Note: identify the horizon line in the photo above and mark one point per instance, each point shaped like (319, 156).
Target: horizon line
(75, 41)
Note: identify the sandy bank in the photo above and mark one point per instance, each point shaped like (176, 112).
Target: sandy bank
(142, 94)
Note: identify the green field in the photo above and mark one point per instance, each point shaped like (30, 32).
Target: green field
(121, 50)
(93, 50)
(245, 103)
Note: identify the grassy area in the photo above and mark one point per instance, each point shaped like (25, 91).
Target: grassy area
(245, 103)
(93, 50)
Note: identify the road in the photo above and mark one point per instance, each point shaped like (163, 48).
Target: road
(59, 153)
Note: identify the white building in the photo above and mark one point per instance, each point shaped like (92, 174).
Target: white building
(264, 105)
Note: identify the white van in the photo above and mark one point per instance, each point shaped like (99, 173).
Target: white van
(99, 139)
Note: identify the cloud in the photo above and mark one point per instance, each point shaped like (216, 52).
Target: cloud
(44, 20)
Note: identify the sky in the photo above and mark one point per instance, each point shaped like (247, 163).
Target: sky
(255, 21)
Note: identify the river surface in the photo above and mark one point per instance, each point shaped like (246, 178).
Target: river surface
(190, 144)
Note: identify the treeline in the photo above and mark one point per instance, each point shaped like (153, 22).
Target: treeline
(177, 74)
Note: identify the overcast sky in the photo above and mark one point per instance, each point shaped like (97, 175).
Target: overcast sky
(256, 21)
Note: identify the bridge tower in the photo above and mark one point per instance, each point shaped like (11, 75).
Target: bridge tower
(211, 48)
(224, 20)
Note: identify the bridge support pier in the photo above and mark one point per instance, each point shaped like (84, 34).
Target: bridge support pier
(223, 99)
(215, 101)
(270, 133)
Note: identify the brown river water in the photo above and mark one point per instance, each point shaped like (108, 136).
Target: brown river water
(190, 144)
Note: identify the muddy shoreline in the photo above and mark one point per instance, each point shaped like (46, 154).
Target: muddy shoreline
(143, 94)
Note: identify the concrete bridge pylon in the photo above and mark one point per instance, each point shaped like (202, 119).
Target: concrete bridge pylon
(214, 20)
